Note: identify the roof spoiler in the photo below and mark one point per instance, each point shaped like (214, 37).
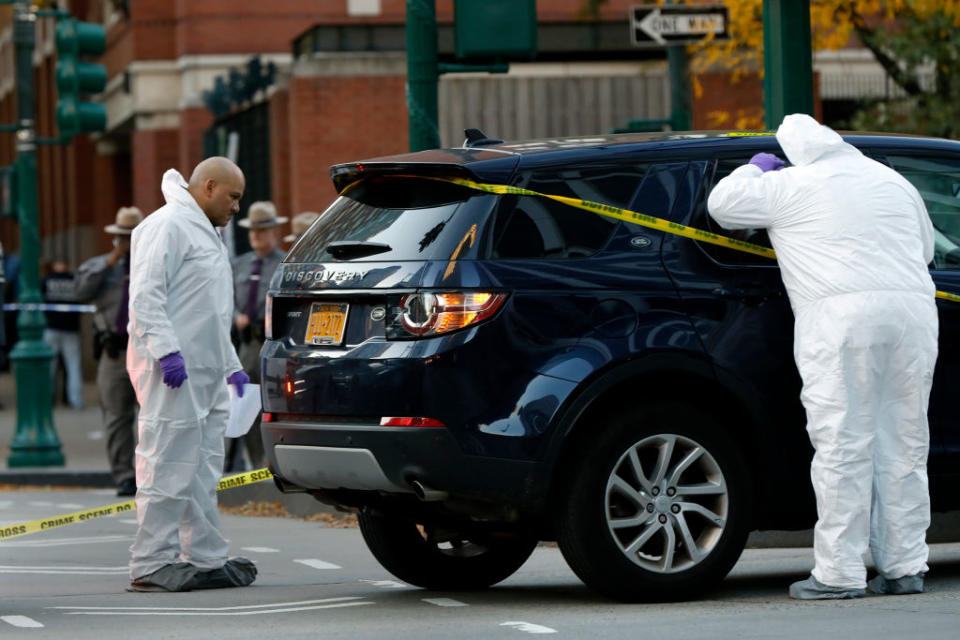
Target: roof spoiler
(344, 175)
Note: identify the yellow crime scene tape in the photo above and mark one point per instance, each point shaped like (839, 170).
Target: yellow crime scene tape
(24, 528)
(635, 217)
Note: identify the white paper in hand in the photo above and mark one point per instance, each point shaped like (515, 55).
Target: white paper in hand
(243, 410)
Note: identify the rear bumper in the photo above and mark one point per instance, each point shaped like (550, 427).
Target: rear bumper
(325, 457)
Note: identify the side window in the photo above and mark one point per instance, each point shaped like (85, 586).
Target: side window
(938, 181)
(535, 227)
(725, 167)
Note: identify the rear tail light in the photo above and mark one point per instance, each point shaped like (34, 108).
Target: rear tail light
(410, 422)
(268, 319)
(267, 417)
(421, 315)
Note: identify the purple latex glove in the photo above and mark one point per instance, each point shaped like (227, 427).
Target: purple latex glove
(767, 162)
(174, 369)
(238, 379)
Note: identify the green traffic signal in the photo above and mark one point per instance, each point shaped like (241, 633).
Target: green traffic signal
(74, 38)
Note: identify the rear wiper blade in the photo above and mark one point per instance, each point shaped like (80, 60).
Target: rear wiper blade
(345, 250)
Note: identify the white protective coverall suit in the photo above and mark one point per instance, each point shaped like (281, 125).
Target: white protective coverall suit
(853, 239)
(181, 299)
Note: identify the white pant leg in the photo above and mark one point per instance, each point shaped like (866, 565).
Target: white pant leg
(167, 461)
(901, 498)
(835, 359)
(52, 338)
(202, 544)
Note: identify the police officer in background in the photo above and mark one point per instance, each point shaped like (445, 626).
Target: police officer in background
(298, 226)
(251, 278)
(105, 280)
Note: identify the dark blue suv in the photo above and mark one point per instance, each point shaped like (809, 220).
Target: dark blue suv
(475, 372)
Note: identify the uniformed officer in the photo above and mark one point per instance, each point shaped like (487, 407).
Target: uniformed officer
(105, 280)
(251, 277)
(300, 223)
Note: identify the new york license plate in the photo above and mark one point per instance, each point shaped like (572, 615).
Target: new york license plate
(327, 322)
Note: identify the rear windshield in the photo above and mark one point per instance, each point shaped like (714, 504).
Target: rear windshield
(390, 219)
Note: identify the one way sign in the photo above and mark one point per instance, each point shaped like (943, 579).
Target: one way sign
(662, 25)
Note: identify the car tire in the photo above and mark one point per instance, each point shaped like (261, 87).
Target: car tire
(428, 558)
(631, 541)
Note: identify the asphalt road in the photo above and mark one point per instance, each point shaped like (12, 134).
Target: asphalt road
(319, 582)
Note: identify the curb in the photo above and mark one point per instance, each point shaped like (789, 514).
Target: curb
(298, 504)
(57, 477)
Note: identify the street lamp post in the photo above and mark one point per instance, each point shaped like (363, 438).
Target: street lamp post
(35, 442)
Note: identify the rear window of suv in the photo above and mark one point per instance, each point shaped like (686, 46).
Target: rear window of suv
(397, 218)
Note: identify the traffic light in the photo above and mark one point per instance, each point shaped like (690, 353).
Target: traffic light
(75, 38)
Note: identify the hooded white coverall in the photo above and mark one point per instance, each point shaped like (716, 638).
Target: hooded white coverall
(181, 299)
(853, 240)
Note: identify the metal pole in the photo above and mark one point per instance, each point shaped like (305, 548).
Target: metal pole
(422, 74)
(787, 60)
(35, 442)
(679, 86)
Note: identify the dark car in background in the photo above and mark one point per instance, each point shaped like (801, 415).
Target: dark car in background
(476, 372)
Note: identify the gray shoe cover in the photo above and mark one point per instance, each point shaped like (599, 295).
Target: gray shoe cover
(813, 589)
(898, 587)
(236, 572)
(172, 577)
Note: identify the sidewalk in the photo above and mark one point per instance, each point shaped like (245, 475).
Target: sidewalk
(81, 440)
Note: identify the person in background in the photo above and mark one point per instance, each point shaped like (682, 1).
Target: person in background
(63, 329)
(105, 281)
(298, 226)
(251, 278)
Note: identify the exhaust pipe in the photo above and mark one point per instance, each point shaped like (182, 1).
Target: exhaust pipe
(426, 493)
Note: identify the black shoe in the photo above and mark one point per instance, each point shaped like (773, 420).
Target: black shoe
(236, 572)
(127, 488)
(172, 577)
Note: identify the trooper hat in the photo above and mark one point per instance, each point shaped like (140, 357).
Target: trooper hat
(127, 219)
(300, 223)
(261, 215)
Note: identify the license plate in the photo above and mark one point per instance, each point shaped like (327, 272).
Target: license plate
(327, 322)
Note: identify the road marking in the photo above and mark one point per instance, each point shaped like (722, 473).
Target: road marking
(63, 542)
(445, 602)
(528, 627)
(95, 435)
(5, 503)
(40, 503)
(318, 564)
(388, 584)
(244, 610)
(260, 549)
(128, 521)
(69, 505)
(233, 608)
(68, 570)
(21, 621)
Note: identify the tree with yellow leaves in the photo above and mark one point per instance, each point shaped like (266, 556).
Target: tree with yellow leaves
(917, 42)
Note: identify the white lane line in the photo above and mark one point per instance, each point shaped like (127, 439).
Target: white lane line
(69, 505)
(528, 627)
(95, 435)
(61, 542)
(445, 602)
(318, 564)
(67, 570)
(5, 503)
(40, 503)
(387, 584)
(21, 621)
(128, 521)
(260, 549)
(217, 613)
(234, 608)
